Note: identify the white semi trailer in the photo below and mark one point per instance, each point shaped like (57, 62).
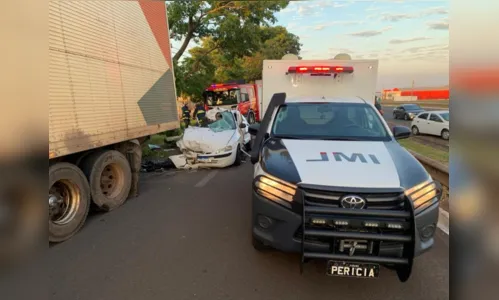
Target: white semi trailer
(111, 85)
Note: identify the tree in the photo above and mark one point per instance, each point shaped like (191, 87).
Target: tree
(192, 81)
(204, 67)
(275, 42)
(231, 24)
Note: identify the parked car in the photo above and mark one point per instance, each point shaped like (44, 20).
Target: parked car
(433, 123)
(407, 111)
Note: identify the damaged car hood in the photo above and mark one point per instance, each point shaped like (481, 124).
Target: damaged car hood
(205, 140)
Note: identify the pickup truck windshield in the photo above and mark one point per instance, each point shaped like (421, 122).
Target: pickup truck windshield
(329, 121)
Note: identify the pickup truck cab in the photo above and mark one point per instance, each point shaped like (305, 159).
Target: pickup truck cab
(331, 182)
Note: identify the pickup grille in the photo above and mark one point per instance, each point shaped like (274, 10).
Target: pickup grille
(385, 201)
(383, 231)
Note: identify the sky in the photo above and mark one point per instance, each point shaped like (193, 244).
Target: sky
(409, 38)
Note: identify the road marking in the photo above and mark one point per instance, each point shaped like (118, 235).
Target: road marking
(206, 179)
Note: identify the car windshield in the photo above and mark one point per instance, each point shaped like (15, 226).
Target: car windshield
(445, 116)
(412, 107)
(219, 98)
(329, 121)
(223, 123)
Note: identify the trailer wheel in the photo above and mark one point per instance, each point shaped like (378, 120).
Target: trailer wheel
(110, 178)
(69, 201)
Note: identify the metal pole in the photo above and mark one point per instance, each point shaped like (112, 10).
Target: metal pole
(412, 90)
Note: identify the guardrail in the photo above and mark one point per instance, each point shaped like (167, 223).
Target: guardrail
(440, 173)
(437, 170)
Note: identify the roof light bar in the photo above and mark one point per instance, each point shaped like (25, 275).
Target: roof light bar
(319, 69)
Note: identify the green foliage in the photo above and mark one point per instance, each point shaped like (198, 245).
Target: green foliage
(229, 23)
(235, 37)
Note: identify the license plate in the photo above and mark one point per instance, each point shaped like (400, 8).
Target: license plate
(346, 269)
(204, 159)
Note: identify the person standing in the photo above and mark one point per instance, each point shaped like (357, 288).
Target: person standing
(186, 115)
(200, 113)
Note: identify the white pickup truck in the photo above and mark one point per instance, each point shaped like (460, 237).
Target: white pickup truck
(330, 179)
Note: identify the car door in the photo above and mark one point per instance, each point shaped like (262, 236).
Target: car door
(401, 112)
(435, 124)
(396, 112)
(421, 121)
(244, 104)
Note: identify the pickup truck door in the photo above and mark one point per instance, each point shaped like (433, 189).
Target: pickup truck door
(276, 101)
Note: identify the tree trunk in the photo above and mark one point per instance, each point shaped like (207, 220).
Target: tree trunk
(180, 52)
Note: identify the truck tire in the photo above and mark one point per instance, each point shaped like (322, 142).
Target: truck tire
(69, 201)
(110, 178)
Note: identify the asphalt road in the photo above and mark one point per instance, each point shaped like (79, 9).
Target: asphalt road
(187, 236)
(431, 140)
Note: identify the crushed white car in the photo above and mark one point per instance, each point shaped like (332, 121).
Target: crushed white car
(222, 143)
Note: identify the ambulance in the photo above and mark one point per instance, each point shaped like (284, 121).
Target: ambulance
(331, 181)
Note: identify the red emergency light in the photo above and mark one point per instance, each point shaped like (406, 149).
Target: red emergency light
(319, 70)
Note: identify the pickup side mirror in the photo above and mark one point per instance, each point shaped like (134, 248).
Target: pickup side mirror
(401, 132)
(242, 125)
(254, 128)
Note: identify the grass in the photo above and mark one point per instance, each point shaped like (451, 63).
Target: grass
(424, 103)
(159, 140)
(425, 150)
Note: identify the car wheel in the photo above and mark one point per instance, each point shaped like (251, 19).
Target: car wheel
(395, 116)
(406, 117)
(415, 130)
(239, 157)
(445, 134)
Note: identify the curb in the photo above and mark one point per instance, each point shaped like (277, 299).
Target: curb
(443, 221)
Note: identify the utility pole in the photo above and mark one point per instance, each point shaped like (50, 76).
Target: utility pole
(412, 90)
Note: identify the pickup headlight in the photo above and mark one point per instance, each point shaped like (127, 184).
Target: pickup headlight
(274, 189)
(423, 195)
(223, 150)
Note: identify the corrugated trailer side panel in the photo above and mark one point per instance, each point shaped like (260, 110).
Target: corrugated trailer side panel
(110, 74)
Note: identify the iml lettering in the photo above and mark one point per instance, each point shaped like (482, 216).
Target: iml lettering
(354, 157)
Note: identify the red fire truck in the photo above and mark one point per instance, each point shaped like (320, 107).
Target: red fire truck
(245, 97)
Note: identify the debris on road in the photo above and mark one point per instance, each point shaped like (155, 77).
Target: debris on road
(154, 147)
(219, 144)
(157, 166)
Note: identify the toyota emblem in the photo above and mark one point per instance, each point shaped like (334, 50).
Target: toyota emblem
(352, 201)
